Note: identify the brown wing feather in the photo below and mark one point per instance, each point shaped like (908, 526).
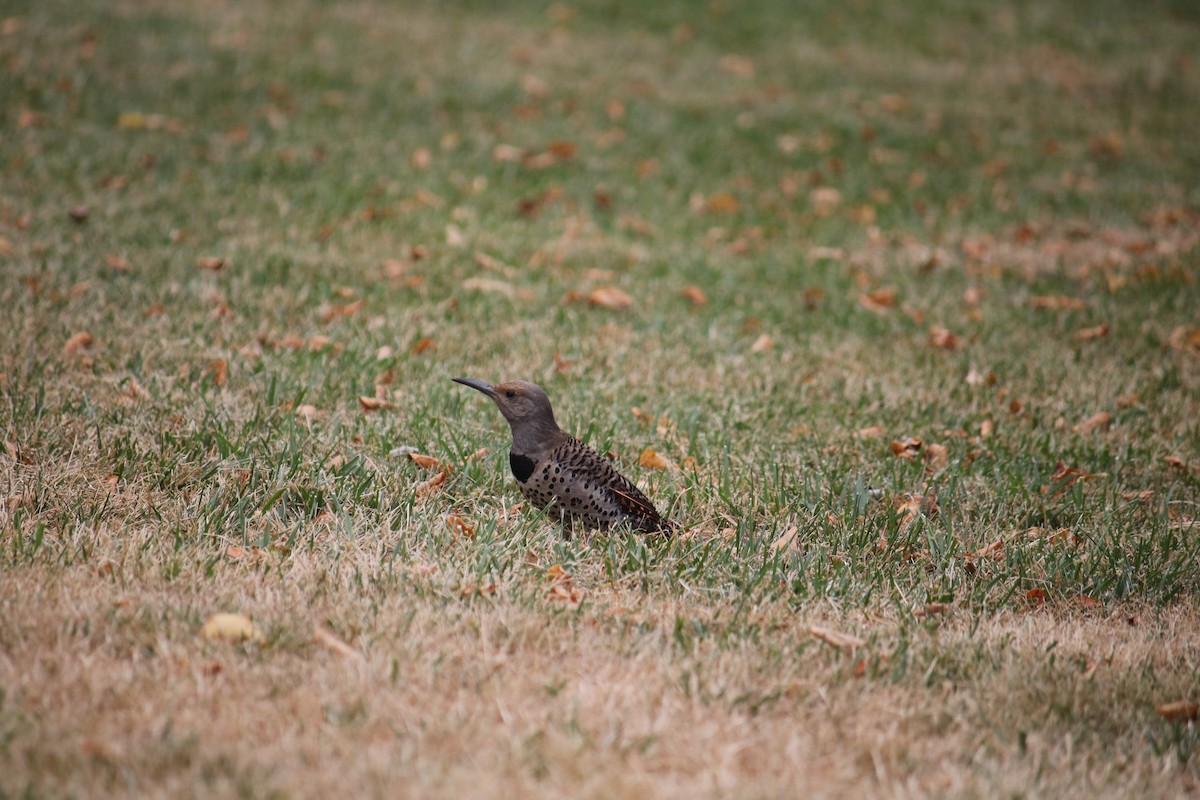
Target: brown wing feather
(629, 497)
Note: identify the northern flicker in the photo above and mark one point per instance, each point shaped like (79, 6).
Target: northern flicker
(558, 473)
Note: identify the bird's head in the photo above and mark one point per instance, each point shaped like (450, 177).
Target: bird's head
(525, 406)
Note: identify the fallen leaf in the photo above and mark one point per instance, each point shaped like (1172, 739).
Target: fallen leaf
(425, 462)
(230, 627)
(372, 404)
(218, 370)
(307, 411)
(942, 338)
(422, 345)
(79, 214)
(870, 432)
(77, 342)
(908, 447)
(721, 203)
(1101, 421)
(431, 486)
(824, 200)
(652, 460)
(1180, 711)
(931, 609)
(210, 263)
(936, 457)
(330, 641)
(695, 294)
(739, 66)
(762, 344)
(610, 297)
(1185, 339)
(786, 539)
(460, 527)
(993, 550)
(560, 585)
(1178, 463)
(1035, 596)
(1056, 302)
(879, 300)
(843, 641)
(986, 429)
(1096, 332)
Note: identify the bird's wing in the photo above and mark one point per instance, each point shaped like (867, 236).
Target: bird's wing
(583, 460)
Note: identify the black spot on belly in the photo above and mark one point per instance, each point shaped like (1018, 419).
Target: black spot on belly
(522, 466)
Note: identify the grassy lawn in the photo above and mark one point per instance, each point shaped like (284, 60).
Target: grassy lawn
(902, 298)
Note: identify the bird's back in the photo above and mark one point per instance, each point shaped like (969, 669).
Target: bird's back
(574, 481)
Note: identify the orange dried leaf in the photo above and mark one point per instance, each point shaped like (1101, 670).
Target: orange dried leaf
(695, 294)
(210, 263)
(762, 344)
(1057, 302)
(908, 447)
(372, 404)
(1101, 421)
(1096, 332)
(330, 641)
(460, 527)
(218, 370)
(843, 641)
(79, 341)
(230, 627)
(652, 460)
(1175, 462)
(936, 457)
(431, 486)
(610, 297)
(786, 539)
(424, 344)
(879, 300)
(870, 432)
(721, 203)
(1036, 596)
(942, 338)
(425, 462)
(1180, 711)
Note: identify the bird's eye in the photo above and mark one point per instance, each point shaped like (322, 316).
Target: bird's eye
(510, 394)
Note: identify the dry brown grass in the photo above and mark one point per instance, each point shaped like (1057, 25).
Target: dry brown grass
(109, 689)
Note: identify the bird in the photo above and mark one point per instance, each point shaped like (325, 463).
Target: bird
(562, 475)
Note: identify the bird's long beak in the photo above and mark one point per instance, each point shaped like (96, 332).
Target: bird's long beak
(482, 386)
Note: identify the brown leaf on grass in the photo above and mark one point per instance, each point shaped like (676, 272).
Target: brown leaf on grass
(426, 462)
(721, 203)
(870, 432)
(1095, 332)
(1062, 478)
(1175, 462)
(1057, 302)
(478, 454)
(879, 300)
(738, 66)
(986, 429)
(1180, 711)
(1036, 597)
(609, 297)
(115, 262)
(1185, 339)
(695, 294)
(562, 364)
(218, 371)
(460, 527)
(786, 539)
(423, 344)
(210, 263)
(824, 200)
(330, 641)
(936, 457)
(910, 505)
(1101, 421)
(230, 627)
(431, 486)
(77, 342)
(930, 610)
(370, 405)
(908, 447)
(652, 460)
(942, 339)
(762, 344)
(994, 550)
(328, 313)
(843, 641)
(560, 585)
(307, 412)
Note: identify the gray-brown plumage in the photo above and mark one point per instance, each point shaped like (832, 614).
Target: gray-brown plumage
(557, 472)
